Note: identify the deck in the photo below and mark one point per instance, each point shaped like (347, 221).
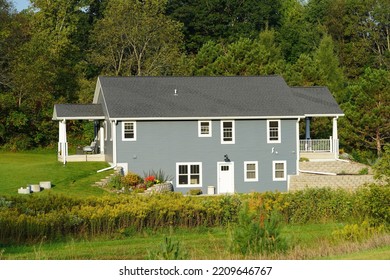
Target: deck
(83, 158)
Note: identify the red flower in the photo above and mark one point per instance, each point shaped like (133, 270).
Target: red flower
(149, 178)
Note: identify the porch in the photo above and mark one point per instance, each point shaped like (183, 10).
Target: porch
(87, 112)
(319, 149)
(82, 158)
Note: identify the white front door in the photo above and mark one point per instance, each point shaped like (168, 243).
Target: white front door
(225, 177)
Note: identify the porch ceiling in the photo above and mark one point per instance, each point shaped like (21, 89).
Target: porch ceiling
(78, 112)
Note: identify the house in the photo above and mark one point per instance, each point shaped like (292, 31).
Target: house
(237, 134)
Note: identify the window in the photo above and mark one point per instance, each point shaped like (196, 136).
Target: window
(250, 170)
(189, 174)
(273, 128)
(204, 128)
(129, 131)
(227, 132)
(279, 170)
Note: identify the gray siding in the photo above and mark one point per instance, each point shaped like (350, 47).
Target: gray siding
(161, 144)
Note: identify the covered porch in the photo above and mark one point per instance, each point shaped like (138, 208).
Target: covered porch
(319, 149)
(93, 151)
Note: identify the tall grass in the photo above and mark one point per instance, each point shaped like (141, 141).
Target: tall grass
(29, 219)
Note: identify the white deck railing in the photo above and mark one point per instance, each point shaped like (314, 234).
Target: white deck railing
(318, 145)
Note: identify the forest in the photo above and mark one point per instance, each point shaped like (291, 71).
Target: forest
(54, 51)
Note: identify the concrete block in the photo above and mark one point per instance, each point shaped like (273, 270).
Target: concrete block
(45, 185)
(35, 188)
(26, 190)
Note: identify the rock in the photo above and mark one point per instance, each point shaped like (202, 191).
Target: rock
(160, 188)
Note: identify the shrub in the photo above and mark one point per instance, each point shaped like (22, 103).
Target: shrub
(357, 232)
(160, 176)
(169, 250)
(115, 182)
(195, 192)
(257, 233)
(131, 180)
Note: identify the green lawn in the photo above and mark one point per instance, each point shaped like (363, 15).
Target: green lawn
(310, 241)
(75, 178)
(197, 244)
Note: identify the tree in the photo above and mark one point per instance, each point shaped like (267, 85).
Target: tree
(45, 71)
(260, 56)
(136, 38)
(367, 110)
(361, 31)
(223, 20)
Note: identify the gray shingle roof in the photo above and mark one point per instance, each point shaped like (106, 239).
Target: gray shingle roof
(232, 96)
(78, 111)
(316, 101)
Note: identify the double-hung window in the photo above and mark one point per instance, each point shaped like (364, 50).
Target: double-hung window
(279, 170)
(273, 131)
(227, 132)
(251, 171)
(189, 174)
(129, 131)
(204, 128)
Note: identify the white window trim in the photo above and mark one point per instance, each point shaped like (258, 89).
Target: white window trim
(200, 128)
(189, 169)
(233, 132)
(284, 170)
(279, 132)
(135, 131)
(256, 179)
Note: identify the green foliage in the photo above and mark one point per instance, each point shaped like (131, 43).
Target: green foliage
(256, 233)
(382, 166)
(160, 176)
(363, 171)
(195, 192)
(357, 232)
(169, 250)
(56, 217)
(131, 180)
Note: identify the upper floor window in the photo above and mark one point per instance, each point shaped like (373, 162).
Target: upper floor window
(129, 131)
(227, 132)
(273, 131)
(204, 128)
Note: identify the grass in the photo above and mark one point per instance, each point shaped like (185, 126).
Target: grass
(312, 241)
(19, 169)
(309, 241)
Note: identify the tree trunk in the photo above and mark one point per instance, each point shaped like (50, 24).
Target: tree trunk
(378, 143)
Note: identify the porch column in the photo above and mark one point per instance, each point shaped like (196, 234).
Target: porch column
(308, 119)
(335, 138)
(102, 135)
(62, 144)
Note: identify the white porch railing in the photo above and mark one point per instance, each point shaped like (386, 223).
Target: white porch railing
(318, 145)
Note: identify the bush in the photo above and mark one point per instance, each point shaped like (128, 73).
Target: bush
(195, 192)
(357, 232)
(131, 180)
(256, 233)
(169, 250)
